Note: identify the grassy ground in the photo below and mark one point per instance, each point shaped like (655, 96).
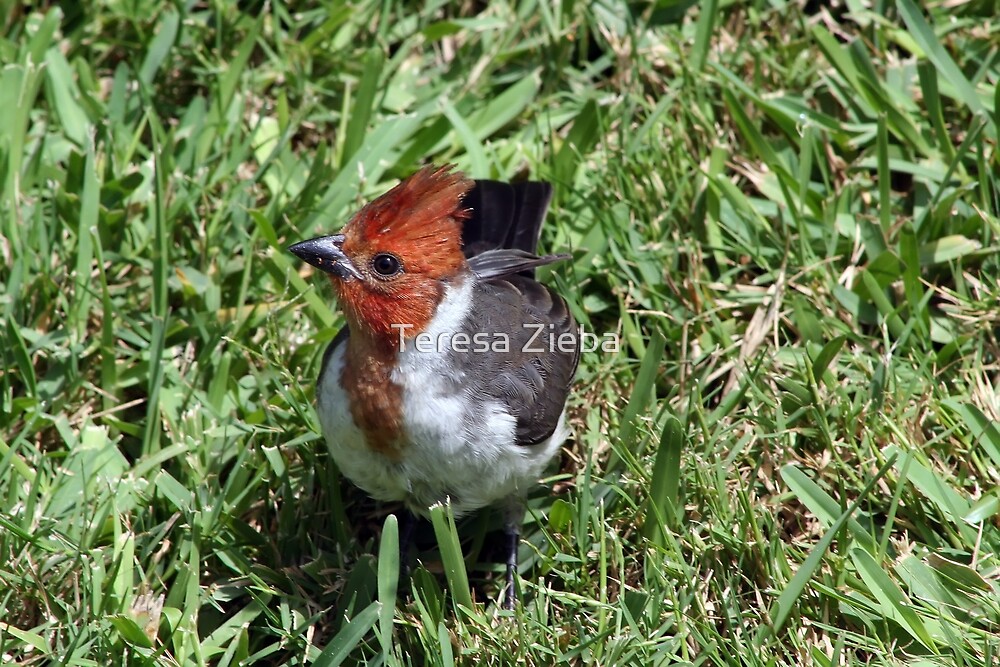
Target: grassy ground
(789, 212)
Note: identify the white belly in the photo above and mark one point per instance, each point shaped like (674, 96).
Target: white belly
(445, 455)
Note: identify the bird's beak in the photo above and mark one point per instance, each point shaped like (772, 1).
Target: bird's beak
(326, 254)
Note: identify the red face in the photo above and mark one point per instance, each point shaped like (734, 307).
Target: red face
(398, 252)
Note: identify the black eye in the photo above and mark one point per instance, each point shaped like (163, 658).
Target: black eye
(386, 265)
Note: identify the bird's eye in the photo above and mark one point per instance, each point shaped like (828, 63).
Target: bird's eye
(386, 265)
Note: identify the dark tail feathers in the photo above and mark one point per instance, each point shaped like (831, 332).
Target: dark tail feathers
(505, 215)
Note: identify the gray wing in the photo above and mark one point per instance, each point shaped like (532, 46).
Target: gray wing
(505, 261)
(533, 377)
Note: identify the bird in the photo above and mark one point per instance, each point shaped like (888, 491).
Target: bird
(450, 380)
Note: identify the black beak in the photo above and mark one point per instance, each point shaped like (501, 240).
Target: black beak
(326, 254)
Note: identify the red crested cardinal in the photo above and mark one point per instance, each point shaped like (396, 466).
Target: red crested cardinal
(449, 382)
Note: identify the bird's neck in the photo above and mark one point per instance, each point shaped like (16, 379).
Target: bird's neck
(381, 323)
(375, 360)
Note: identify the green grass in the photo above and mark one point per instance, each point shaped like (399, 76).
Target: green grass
(790, 215)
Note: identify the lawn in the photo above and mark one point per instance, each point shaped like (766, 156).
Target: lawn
(788, 213)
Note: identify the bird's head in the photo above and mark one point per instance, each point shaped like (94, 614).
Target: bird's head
(392, 261)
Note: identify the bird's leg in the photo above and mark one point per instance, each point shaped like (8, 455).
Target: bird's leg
(514, 517)
(407, 524)
(513, 539)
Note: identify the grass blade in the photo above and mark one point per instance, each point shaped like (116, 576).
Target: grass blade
(665, 504)
(781, 610)
(451, 554)
(928, 42)
(388, 580)
(340, 647)
(364, 103)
